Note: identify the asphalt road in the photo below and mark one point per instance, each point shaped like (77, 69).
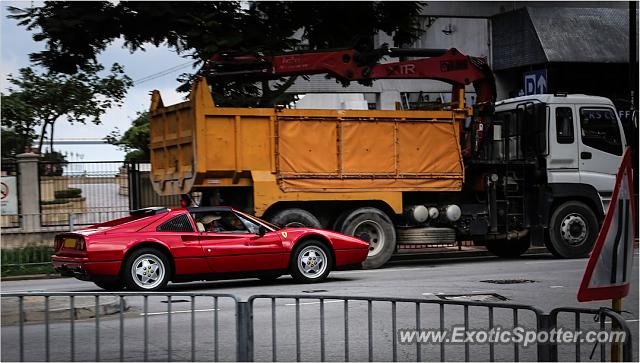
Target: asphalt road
(541, 281)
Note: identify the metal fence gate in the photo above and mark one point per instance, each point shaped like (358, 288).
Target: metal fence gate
(215, 327)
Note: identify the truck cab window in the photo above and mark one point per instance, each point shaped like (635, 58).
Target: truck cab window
(599, 130)
(564, 125)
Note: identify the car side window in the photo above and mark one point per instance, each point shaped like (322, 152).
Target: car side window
(599, 130)
(179, 223)
(251, 226)
(564, 125)
(220, 222)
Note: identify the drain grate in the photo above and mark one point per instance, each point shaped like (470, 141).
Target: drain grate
(509, 281)
(491, 297)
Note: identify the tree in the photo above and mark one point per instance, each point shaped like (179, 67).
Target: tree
(18, 124)
(75, 32)
(41, 99)
(135, 140)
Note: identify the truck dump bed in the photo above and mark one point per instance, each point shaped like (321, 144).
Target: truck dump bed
(196, 145)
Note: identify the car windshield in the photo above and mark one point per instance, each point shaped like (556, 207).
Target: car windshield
(261, 221)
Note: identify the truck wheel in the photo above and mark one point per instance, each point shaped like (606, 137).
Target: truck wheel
(375, 227)
(295, 217)
(573, 229)
(508, 248)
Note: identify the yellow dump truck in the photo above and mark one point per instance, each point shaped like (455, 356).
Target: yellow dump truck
(394, 177)
(317, 168)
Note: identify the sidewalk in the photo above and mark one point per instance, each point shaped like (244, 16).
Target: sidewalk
(59, 308)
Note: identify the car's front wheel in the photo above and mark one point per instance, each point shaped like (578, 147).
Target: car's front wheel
(147, 269)
(311, 262)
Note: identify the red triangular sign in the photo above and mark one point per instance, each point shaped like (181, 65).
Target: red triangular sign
(608, 271)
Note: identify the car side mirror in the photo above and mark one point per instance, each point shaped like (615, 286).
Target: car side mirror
(261, 231)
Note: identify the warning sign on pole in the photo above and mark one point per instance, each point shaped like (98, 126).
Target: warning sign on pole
(8, 195)
(608, 271)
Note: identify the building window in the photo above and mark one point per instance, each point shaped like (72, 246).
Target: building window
(599, 130)
(564, 125)
(180, 223)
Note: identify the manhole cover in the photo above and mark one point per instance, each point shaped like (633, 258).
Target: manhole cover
(492, 297)
(313, 291)
(509, 281)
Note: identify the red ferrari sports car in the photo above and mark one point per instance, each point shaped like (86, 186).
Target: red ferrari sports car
(153, 246)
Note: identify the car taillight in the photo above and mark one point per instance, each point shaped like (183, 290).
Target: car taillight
(81, 245)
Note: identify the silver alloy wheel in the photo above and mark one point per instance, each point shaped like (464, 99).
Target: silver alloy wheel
(573, 229)
(372, 232)
(148, 271)
(312, 262)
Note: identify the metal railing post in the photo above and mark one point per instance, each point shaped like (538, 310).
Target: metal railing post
(547, 351)
(72, 217)
(244, 330)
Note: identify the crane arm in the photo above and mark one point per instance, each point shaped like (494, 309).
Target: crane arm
(348, 65)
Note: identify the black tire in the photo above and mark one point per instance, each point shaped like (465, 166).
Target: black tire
(337, 224)
(380, 224)
(110, 285)
(508, 248)
(573, 229)
(295, 217)
(132, 282)
(297, 268)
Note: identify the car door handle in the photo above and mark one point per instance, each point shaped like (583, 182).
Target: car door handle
(585, 155)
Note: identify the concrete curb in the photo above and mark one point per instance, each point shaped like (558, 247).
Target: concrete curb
(59, 308)
(32, 277)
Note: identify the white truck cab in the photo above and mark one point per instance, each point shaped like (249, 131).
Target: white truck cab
(584, 147)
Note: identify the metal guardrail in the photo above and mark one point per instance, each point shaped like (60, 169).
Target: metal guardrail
(269, 327)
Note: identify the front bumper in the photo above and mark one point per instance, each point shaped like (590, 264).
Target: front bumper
(84, 269)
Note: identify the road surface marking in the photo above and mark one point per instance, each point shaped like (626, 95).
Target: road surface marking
(380, 270)
(483, 291)
(556, 286)
(554, 261)
(178, 312)
(314, 302)
(432, 293)
(628, 321)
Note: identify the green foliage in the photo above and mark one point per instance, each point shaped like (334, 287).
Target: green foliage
(18, 123)
(52, 164)
(75, 32)
(26, 261)
(68, 193)
(54, 202)
(135, 140)
(40, 99)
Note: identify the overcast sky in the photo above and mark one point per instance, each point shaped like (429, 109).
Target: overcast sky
(17, 43)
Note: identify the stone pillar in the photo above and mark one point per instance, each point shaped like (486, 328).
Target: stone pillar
(29, 187)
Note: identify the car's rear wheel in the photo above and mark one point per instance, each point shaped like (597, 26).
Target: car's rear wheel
(147, 269)
(110, 285)
(311, 262)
